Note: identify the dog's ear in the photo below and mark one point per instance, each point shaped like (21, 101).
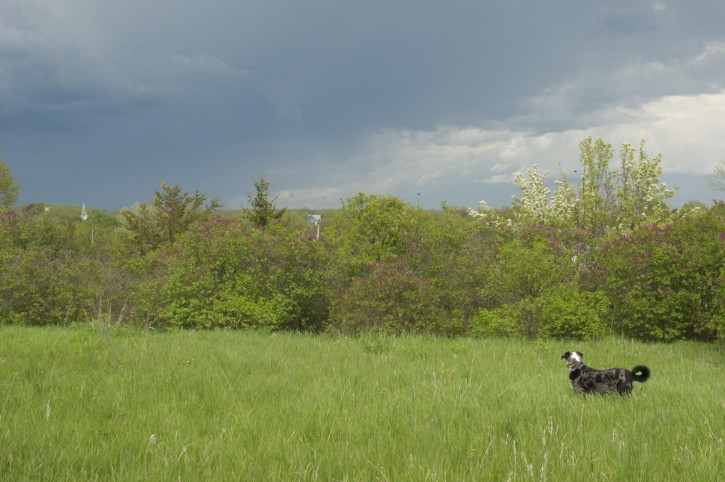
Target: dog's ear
(565, 356)
(581, 355)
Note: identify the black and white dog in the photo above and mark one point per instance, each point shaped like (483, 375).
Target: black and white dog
(585, 379)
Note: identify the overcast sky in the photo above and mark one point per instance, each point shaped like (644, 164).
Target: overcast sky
(430, 101)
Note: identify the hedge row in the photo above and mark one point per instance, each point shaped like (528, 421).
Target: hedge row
(381, 265)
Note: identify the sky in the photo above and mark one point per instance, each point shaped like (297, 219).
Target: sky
(429, 101)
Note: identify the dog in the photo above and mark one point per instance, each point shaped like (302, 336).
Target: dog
(587, 380)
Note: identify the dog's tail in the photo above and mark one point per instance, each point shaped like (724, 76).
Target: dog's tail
(640, 373)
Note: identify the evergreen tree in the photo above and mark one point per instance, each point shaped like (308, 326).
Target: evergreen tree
(171, 214)
(262, 210)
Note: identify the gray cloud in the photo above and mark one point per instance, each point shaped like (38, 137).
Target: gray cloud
(105, 99)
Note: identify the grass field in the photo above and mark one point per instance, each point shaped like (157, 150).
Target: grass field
(83, 403)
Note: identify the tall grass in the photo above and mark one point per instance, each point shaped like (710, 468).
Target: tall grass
(76, 404)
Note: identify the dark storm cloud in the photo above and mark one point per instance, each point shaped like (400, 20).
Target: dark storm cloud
(109, 98)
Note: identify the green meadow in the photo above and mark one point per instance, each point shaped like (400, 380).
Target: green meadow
(93, 403)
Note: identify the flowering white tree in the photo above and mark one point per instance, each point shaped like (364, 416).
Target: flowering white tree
(486, 214)
(563, 204)
(533, 203)
(536, 203)
(640, 196)
(608, 199)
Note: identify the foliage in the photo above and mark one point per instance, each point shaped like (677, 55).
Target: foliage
(369, 229)
(171, 214)
(223, 275)
(568, 312)
(535, 206)
(496, 322)
(665, 282)
(393, 264)
(262, 210)
(39, 287)
(564, 312)
(609, 200)
(50, 273)
(640, 196)
(8, 187)
(548, 267)
(487, 215)
(596, 189)
(458, 258)
(390, 298)
(526, 270)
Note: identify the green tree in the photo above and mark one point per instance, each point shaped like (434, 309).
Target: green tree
(596, 188)
(385, 255)
(368, 229)
(640, 195)
(262, 210)
(8, 187)
(170, 214)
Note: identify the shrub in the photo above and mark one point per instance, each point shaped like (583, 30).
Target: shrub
(391, 298)
(222, 275)
(570, 313)
(495, 322)
(665, 282)
(51, 274)
(366, 230)
(39, 287)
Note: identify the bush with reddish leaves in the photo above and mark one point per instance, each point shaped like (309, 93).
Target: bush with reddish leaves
(665, 282)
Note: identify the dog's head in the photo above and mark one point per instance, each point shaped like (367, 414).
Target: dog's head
(573, 358)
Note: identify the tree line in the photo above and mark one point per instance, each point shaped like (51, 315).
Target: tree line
(603, 257)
